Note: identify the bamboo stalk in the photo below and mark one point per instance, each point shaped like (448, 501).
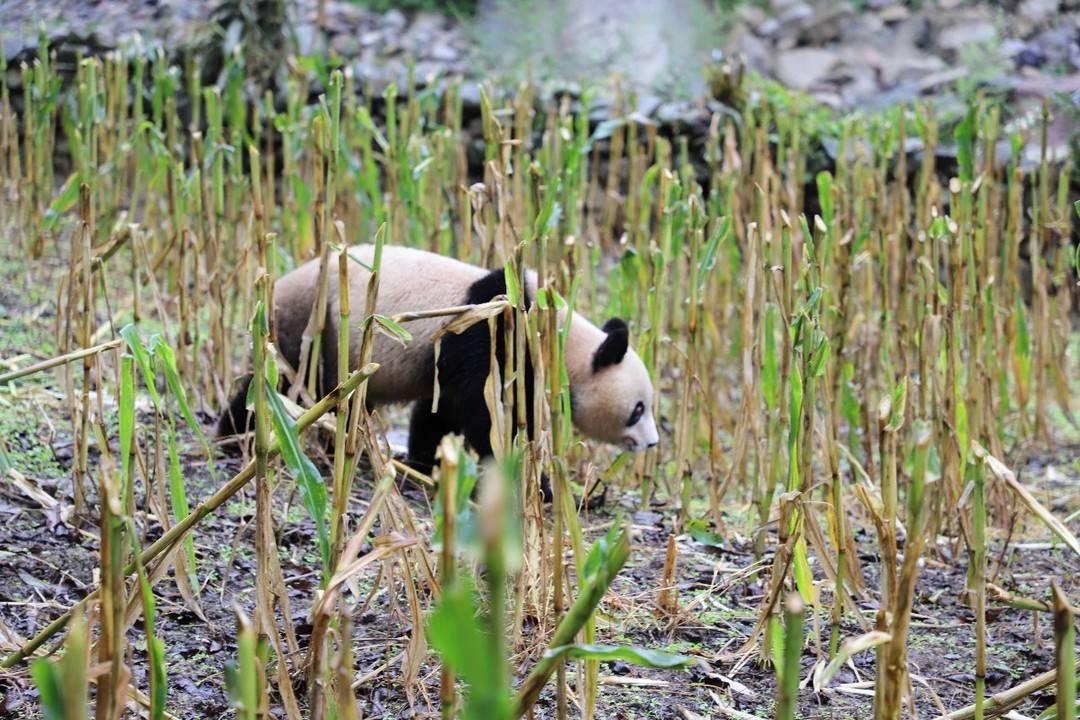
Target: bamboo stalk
(60, 360)
(1000, 703)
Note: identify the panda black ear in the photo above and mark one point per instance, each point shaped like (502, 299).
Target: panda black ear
(615, 345)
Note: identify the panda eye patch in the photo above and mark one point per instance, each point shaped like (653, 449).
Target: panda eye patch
(639, 410)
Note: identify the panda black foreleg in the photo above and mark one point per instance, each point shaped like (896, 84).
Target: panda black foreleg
(426, 430)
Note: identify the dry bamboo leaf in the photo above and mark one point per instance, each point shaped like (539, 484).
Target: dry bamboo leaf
(475, 314)
(385, 546)
(823, 673)
(31, 490)
(1004, 474)
(731, 712)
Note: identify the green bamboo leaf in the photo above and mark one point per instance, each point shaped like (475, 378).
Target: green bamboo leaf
(456, 633)
(63, 684)
(811, 302)
(628, 653)
(821, 357)
(601, 554)
(1016, 146)
(47, 679)
(825, 196)
(899, 403)
(849, 405)
(179, 501)
(962, 428)
(804, 577)
(135, 343)
(1076, 256)
(795, 402)
(965, 145)
(309, 482)
(1051, 712)
(776, 646)
(513, 287)
(939, 228)
(364, 117)
(712, 249)
(64, 201)
(241, 675)
(391, 328)
(467, 531)
(699, 531)
(127, 417)
(161, 350)
(156, 651)
(920, 462)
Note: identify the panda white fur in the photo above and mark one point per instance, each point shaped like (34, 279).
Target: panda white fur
(611, 394)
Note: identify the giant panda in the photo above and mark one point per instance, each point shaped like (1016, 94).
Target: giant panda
(610, 390)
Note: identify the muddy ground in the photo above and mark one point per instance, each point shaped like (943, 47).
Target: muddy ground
(46, 565)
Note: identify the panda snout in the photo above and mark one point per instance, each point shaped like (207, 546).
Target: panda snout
(632, 444)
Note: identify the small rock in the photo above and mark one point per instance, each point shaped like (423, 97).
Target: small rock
(13, 46)
(426, 72)
(341, 14)
(346, 45)
(1038, 11)
(965, 34)
(861, 84)
(801, 68)
(787, 41)
(770, 27)
(894, 14)
(428, 22)
(829, 98)
(672, 112)
(647, 104)
(939, 79)
(1029, 55)
(470, 95)
(827, 26)
(756, 54)
(1058, 44)
(900, 69)
(647, 517)
(370, 38)
(752, 15)
(366, 71)
(796, 14)
(912, 35)
(394, 20)
(305, 38)
(600, 109)
(442, 51)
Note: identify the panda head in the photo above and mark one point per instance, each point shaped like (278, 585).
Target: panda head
(613, 396)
